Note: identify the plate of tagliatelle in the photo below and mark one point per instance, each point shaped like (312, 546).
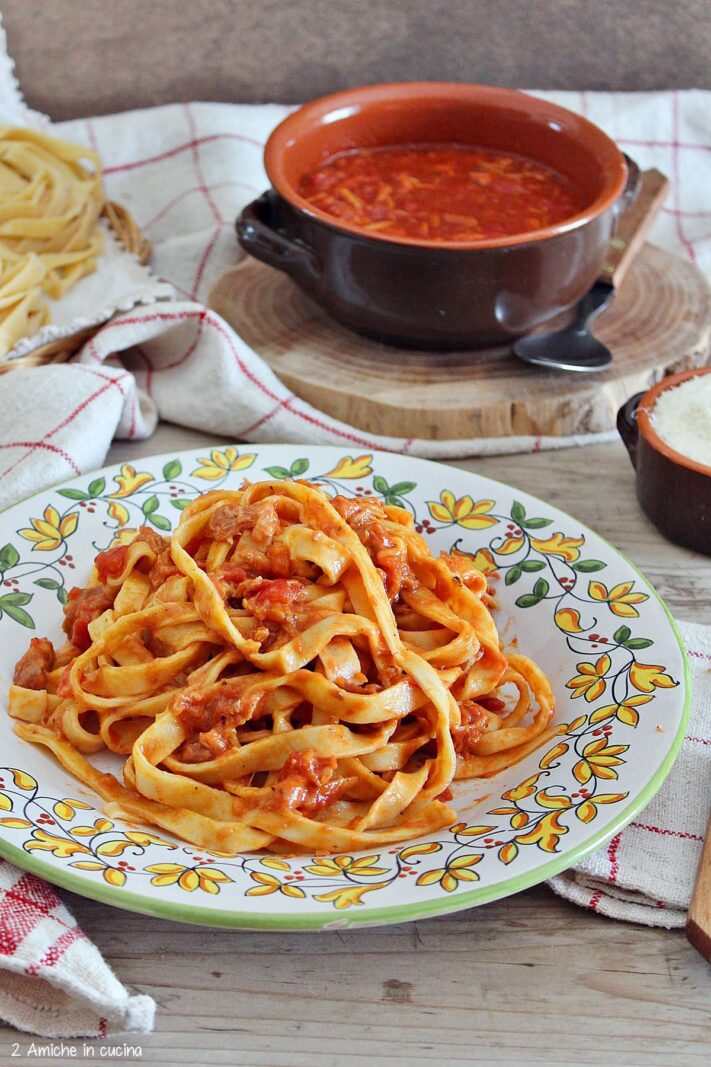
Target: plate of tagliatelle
(287, 687)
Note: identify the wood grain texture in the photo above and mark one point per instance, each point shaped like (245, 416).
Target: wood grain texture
(134, 53)
(660, 320)
(634, 224)
(526, 981)
(698, 923)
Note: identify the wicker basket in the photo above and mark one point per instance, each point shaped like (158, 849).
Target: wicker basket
(61, 350)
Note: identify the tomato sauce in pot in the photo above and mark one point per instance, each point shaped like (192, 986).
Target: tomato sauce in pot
(440, 192)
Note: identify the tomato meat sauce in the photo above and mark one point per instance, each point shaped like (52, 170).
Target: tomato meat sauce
(441, 192)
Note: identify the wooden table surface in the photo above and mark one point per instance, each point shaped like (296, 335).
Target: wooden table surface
(523, 981)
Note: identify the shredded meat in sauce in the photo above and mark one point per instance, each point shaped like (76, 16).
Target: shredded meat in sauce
(472, 728)
(305, 783)
(32, 669)
(386, 549)
(82, 607)
(231, 520)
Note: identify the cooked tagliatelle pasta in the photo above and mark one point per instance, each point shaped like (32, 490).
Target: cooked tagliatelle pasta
(286, 672)
(50, 235)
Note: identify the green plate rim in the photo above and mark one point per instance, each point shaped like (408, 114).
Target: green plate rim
(197, 914)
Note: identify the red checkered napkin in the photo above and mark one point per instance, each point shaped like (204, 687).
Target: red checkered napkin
(53, 980)
(646, 873)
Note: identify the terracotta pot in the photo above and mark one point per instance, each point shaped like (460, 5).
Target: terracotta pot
(674, 491)
(431, 294)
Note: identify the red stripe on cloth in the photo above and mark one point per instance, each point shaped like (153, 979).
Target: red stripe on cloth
(99, 372)
(55, 952)
(187, 147)
(686, 214)
(324, 426)
(198, 166)
(664, 144)
(91, 135)
(22, 908)
(103, 1027)
(595, 900)
(110, 382)
(44, 442)
(666, 833)
(677, 177)
(698, 655)
(612, 857)
(195, 189)
(31, 445)
(149, 368)
(207, 252)
(264, 419)
(698, 740)
(214, 323)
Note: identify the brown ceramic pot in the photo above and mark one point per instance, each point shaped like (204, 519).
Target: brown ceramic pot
(674, 491)
(430, 294)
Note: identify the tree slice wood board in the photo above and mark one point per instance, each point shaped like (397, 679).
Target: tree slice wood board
(658, 323)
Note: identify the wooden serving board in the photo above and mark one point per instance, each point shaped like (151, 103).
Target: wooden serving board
(659, 322)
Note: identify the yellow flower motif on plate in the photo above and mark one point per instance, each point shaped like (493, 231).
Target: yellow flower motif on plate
(465, 512)
(119, 512)
(58, 846)
(124, 536)
(649, 676)
(600, 761)
(509, 545)
(459, 870)
(526, 788)
(568, 620)
(620, 599)
(590, 682)
(129, 480)
(626, 712)
(546, 833)
(207, 879)
(269, 883)
(484, 561)
(217, 464)
(348, 467)
(111, 875)
(568, 548)
(50, 531)
(349, 895)
(363, 866)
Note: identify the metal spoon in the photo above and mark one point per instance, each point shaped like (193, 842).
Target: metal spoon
(574, 347)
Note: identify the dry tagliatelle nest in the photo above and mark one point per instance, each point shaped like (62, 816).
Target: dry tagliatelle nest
(50, 235)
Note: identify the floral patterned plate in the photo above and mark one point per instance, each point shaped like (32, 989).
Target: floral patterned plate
(578, 607)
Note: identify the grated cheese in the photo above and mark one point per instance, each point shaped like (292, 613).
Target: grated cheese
(682, 418)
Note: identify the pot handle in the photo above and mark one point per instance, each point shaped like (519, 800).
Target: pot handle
(632, 185)
(258, 235)
(627, 426)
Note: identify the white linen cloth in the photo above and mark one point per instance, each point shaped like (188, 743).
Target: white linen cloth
(184, 171)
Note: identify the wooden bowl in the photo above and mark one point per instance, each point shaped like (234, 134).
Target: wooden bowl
(424, 293)
(673, 490)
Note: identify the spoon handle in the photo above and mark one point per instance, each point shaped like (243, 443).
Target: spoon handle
(698, 922)
(633, 226)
